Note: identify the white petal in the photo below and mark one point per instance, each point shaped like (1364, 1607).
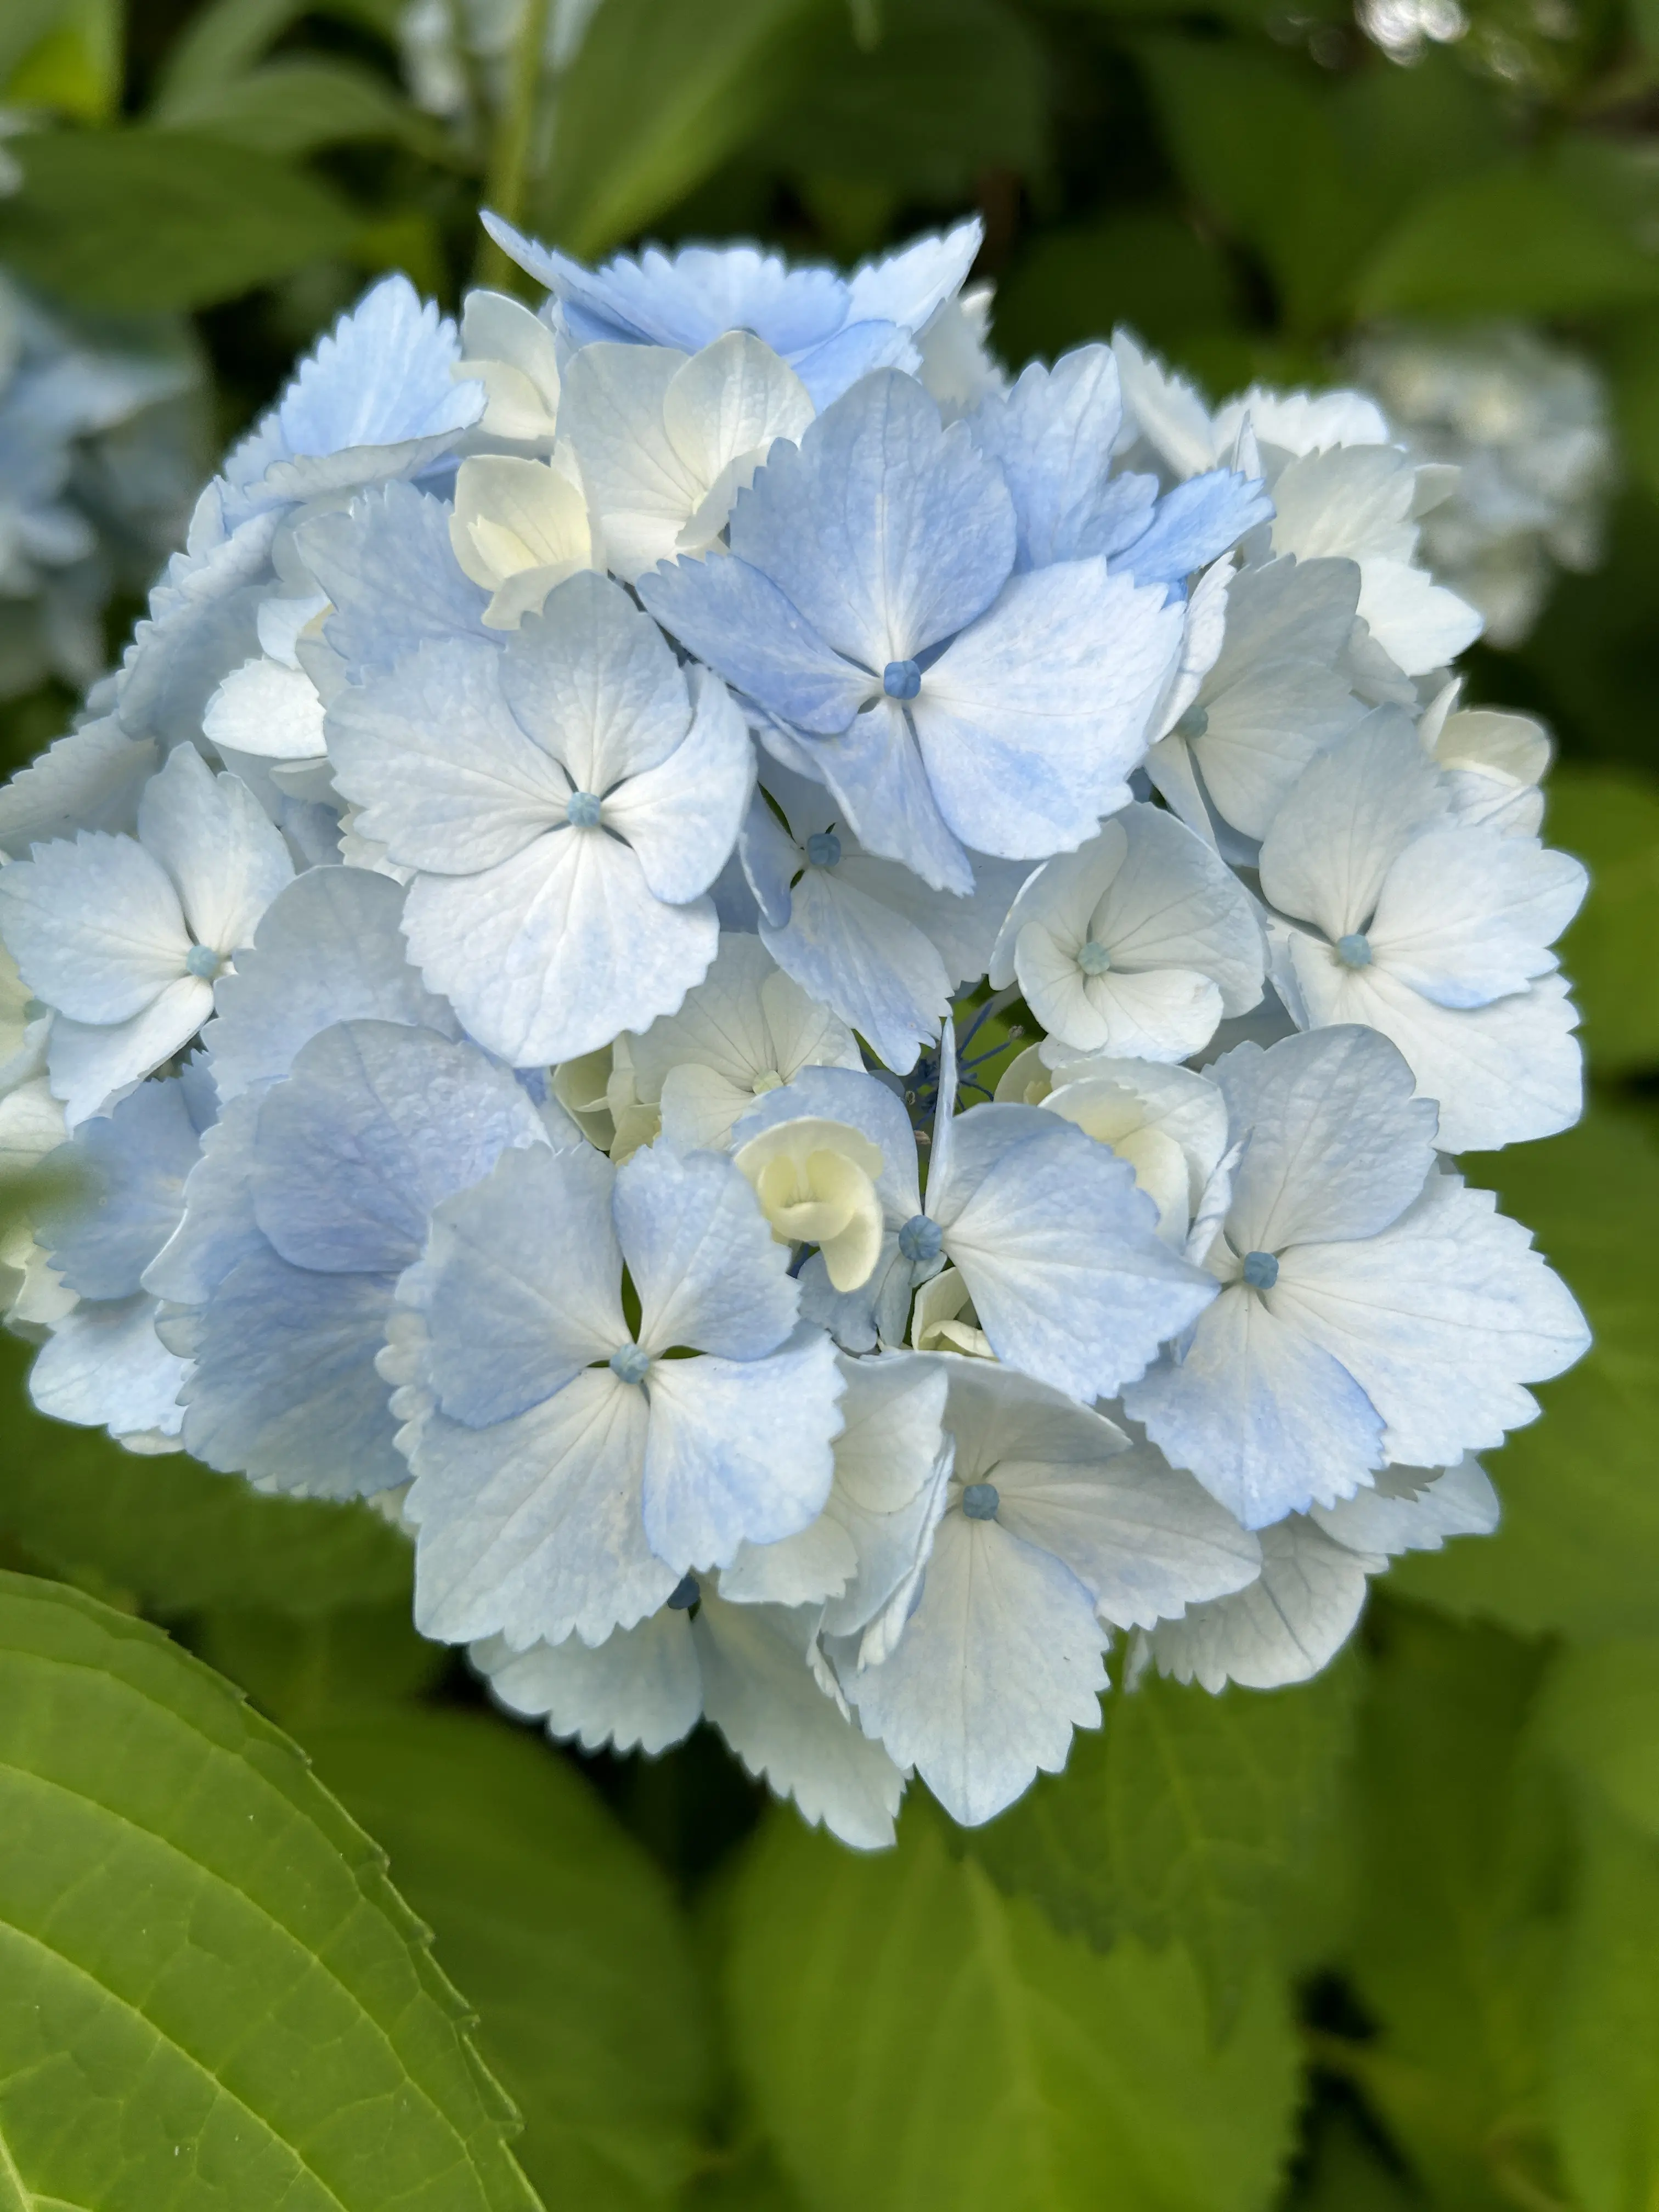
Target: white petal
(682, 817)
(104, 1366)
(266, 709)
(1000, 1660)
(594, 680)
(640, 1689)
(1284, 1628)
(226, 855)
(1354, 811)
(90, 1062)
(1414, 1510)
(1465, 914)
(531, 1528)
(94, 927)
(760, 1691)
(883, 977)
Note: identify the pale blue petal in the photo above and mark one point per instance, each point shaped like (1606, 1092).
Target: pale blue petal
(738, 621)
(387, 564)
(738, 1451)
(89, 779)
(1194, 525)
(1052, 436)
(531, 1528)
(217, 1228)
(640, 1689)
(1060, 1255)
(104, 1367)
(91, 1063)
(907, 286)
(592, 681)
(375, 1125)
(522, 1285)
(682, 817)
(285, 1388)
(888, 532)
(95, 925)
(329, 949)
(1032, 721)
(702, 1257)
(834, 366)
(128, 1194)
(1338, 1147)
(1268, 1422)
(873, 767)
(882, 976)
(771, 860)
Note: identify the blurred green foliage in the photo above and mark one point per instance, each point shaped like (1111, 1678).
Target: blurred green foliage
(1387, 1941)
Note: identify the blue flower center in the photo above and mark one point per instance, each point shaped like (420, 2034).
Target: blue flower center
(1093, 959)
(979, 1501)
(204, 962)
(631, 1365)
(1194, 724)
(1354, 951)
(684, 1593)
(582, 811)
(823, 848)
(1260, 1270)
(901, 679)
(921, 1239)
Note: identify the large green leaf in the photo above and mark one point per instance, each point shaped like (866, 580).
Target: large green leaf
(1455, 1935)
(147, 219)
(1579, 1548)
(561, 1931)
(222, 40)
(298, 103)
(1521, 237)
(952, 89)
(660, 93)
(210, 1995)
(1192, 1816)
(910, 2038)
(1599, 1716)
(1146, 269)
(1610, 820)
(168, 1534)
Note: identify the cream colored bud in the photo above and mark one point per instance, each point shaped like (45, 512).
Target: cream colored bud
(944, 1319)
(816, 1181)
(518, 528)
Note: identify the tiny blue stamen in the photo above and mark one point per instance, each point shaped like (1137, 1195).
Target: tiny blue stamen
(1194, 724)
(901, 679)
(979, 1501)
(823, 848)
(204, 962)
(921, 1239)
(1093, 959)
(684, 1594)
(1260, 1270)
(1354, 951)
(631, 1365)
(582, 811)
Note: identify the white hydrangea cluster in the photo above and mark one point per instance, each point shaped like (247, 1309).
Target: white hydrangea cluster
(98, 466)
(1520, 423)
(525, 956)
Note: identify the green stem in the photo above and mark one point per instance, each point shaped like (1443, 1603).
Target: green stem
(508, 176)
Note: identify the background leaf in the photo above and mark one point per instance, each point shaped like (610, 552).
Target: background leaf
(1611, 821)
(1190, 1816)
(148, 219)
(210, 1994)
(910, 2038)
(169, 1534)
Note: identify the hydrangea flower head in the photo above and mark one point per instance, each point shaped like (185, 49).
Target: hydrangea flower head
(813, 1008)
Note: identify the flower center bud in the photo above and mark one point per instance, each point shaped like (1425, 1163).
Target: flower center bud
(1194, 724)
(823, 848)
(684, 1593)
(979, 1501)
(921, 1239)
(1354, 951)
(901, 679)
(631, 1365)
(768, 1080)
(204, 962)
(1260, 1270)
(1093, 959)
(582, 811)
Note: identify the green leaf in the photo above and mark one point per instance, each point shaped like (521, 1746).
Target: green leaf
(1346, 2174)
(227, 37)
(209, 1993)
(1579, 1548)
(661, 92)
(294, 105)
(23, 25)
(1257, 148)
(1146, 269)
(1190, 1816)
(1599, 1716)
(75, 70)
(909, 2038)
(152, 219)
(1611, 821)
(1459, 1843)
(167, 1533)
(953, 88)
(1605, 2078)
(561, 1932)
(1521, 238)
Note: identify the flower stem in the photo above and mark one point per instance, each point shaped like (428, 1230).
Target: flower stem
(508, 176)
